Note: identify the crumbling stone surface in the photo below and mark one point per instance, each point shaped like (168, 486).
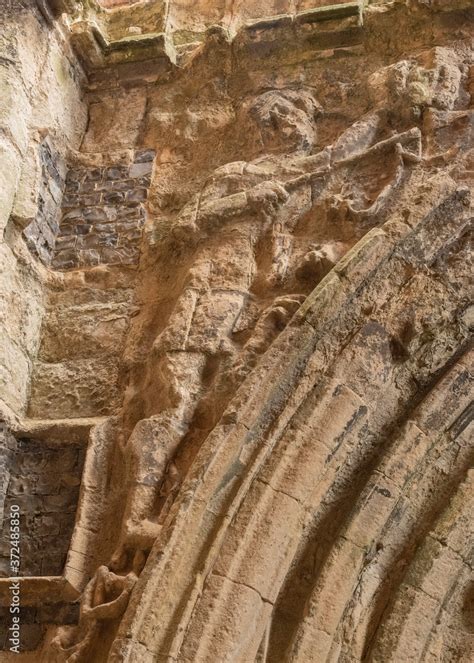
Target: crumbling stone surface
(42, 232)
(76, 371)
(258, 320)
(42, 104)
(43, 481)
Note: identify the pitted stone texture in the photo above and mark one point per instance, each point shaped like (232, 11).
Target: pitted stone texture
(266, 467)
(103, 214)
(43, 481)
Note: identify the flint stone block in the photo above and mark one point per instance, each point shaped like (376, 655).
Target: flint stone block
(87, 187)
(116, 173)
(144, 181)
(72, 215)
(83, 229)
(49, 236)
(119, 185)
(32, 231)
(44, 254)
(137, 195)
(66, 259)
(92, 199)
(131, 235)
(126, 226)
(56, 191)
(65, 243)
(53, 224)
(113, 197)
(71, 200)
(94, 240)
(95, 214)
(144, 156)
(75, 175)
(122, 255)
(72, 186)
(89, 257)
(132, 211)
(93, 175)
(108, 240)
(141, 169)
(67, 229)
(104, 227)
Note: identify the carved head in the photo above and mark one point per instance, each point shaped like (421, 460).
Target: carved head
(284, 119)
(408, 87)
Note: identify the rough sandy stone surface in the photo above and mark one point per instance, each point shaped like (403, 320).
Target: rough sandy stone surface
(236, 317)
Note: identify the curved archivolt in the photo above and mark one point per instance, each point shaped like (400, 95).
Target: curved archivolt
(328, 516)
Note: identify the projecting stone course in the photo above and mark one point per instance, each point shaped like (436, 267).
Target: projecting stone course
(103, 214)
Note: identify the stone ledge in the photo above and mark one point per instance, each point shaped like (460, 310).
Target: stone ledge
(38, 590)
(330, 12)
(54, 430)
(97, 52)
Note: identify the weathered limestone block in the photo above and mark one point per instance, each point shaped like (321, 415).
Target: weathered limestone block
(103, 328)
(21, 310)
(9, 178)
(14, 97)
(236, 604)
(14, 373)
(74, 388)
(123, 132)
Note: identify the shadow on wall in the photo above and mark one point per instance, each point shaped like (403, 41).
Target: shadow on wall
(41, 233)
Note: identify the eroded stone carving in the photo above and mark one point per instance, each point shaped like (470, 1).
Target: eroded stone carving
(105, 598)
(242, 205)
(267, 347)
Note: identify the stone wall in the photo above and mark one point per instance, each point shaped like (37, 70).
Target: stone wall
(42, 104)
(122, 19)
(35, 622)
(42, 232)
(100, 218)
(103, 213)
(77, 368)
(43, 481)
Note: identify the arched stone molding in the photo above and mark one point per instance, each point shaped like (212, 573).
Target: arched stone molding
(326, 419)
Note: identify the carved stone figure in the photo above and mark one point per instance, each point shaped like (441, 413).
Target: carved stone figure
(241, 205)
(236, 323)
(104, 598)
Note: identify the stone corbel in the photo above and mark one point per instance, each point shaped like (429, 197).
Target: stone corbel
(96, 51)
(52, 9)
